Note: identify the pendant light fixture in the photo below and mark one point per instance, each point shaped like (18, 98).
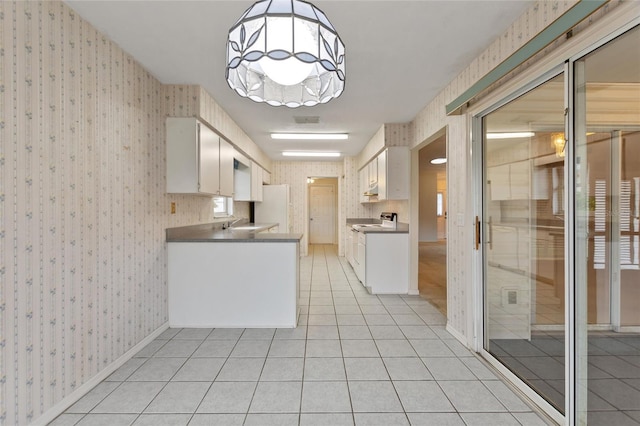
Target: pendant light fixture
(285, 52)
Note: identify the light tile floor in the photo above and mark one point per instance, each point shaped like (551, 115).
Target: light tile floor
(355, 358)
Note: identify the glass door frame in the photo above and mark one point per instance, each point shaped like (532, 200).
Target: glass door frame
(479, 179)
(577, 405)
(575, 393)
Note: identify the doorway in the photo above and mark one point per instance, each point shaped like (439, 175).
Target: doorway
(432, 214)
(323, 201)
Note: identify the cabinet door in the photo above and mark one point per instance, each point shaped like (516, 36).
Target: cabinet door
(208, 156)
(498, 178)
(226, 168)
(373, 172)
(398, 164)
(382, 176)
(182, 155)
(364, 184)
(256, 182)
(520, 179)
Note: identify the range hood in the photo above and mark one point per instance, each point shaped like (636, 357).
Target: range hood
(372, 191)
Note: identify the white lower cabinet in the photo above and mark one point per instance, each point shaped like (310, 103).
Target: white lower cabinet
(350, 233)
(362, 258)
(380, 261)
(234, 284)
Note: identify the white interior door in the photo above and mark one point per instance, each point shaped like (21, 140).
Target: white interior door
(322, 210)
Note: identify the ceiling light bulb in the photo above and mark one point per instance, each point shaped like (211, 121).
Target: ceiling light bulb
(310, 136)
(510, 135)
(438, 161)
(309, 154)
(289, 71)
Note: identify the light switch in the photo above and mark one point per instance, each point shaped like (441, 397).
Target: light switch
(460, 219)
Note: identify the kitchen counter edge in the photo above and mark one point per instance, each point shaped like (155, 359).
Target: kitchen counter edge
(210, 233)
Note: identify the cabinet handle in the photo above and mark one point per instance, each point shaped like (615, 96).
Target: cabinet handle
(477, 233)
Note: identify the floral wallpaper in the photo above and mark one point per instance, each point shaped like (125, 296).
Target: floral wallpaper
(83, 208)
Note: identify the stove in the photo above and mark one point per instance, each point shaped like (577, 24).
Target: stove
(388, 220)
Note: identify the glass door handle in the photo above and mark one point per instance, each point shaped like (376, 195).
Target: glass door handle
(477, 233)
(490, 239)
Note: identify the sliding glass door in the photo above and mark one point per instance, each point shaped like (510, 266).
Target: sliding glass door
(560, 227)
(523, 216)
(607, 205)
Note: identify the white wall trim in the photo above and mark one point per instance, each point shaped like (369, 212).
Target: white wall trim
(516, 384)
(74, 396)
(455, 333)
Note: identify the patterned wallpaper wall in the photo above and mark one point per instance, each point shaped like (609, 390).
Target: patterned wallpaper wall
(82, 206)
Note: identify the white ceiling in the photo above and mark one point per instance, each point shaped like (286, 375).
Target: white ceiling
(400, 54)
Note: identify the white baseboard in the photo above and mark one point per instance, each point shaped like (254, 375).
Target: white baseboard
(74, 396)
(455, 333)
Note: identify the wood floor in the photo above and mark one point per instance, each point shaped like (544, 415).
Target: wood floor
(432, 273)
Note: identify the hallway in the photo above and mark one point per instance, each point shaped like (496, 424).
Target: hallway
(355, 358)
(432, 273)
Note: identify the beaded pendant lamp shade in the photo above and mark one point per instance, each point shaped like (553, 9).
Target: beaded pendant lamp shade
(285, 52)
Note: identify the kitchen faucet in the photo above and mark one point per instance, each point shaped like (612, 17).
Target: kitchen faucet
(230, 224)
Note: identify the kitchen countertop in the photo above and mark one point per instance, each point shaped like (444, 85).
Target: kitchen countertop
(213, 233)
(402, 228)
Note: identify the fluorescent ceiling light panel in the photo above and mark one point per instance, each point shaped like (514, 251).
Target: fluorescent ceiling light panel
(512, 135)
(438, 161)
(310, 154)
(310, 136)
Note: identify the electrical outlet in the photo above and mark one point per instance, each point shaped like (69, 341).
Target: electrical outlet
(173, 207)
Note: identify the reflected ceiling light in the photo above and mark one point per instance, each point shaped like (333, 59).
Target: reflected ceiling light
(438, 160)
(558, 142)
(310, 136)
(310, 154)
(511, 135)
(285, 52)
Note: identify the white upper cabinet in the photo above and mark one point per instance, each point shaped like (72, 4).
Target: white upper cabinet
(248, 180)
(256, 182)
(198, 161)
(226, 168)
(387, 174)
(393, 173)
(363, 175)
(511, 181)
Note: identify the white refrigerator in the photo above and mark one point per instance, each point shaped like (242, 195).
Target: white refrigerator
(275, 207)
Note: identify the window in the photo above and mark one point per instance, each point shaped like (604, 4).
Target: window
(439, 204)
(222, 206)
